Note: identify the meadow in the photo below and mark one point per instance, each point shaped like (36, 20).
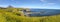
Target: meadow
(10, 15)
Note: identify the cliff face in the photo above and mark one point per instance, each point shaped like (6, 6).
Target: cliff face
(26, 12)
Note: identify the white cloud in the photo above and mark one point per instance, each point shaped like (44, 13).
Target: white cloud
(51, 3)
(24, 6)
(12, 0)
(3, 5)
(43, 0)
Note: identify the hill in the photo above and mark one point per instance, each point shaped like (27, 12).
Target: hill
(14, 15)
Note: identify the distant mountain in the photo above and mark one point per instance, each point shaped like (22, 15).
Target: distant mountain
(45, 12)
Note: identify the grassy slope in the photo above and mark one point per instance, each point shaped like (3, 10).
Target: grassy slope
(12, 17)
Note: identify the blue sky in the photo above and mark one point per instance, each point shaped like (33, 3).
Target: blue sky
(42, 4)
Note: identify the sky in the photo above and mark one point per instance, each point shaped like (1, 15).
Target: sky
(41, 4)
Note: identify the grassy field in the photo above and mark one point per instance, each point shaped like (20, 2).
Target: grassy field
(8, 16)
(14, 18)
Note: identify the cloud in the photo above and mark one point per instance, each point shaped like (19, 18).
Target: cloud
(43, 0)
(51, 3)
(12, 0)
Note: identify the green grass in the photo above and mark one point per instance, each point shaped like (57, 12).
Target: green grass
(6, 16)
(14, 18)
